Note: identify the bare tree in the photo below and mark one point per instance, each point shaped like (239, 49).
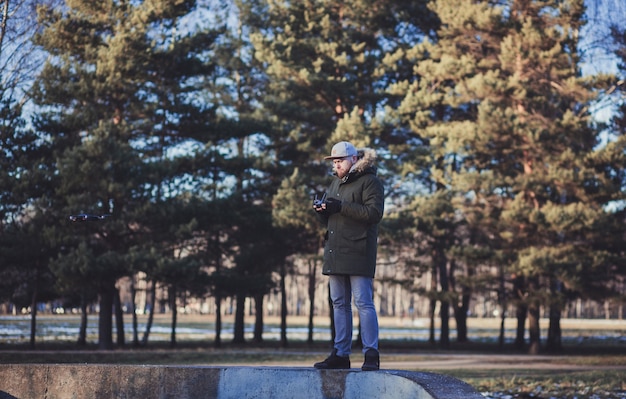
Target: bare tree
(597, 44)
(20, 59)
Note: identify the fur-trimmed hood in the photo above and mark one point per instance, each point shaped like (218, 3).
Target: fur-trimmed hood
(367, 160)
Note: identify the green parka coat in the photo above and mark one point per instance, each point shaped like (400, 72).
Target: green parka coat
(352, 234)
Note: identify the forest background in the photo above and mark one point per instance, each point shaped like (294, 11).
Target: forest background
(199, 129)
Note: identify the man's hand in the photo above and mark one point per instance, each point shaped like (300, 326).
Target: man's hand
(333, 206)
(319, 203)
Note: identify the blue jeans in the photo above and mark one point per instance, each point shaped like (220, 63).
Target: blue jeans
(342, 288)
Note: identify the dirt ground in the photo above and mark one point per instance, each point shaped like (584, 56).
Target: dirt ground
(433, 362)
(495, 362)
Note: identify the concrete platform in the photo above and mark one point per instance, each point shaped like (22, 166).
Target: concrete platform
(94, 381)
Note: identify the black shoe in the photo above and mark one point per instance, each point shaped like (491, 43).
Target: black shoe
(372, 360)
(333, 362)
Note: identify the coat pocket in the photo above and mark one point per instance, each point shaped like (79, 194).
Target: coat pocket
(354, 242)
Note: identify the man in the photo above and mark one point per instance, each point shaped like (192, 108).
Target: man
(352, 209)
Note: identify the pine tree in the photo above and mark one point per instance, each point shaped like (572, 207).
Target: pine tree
(24, 252)
(235, 173)
(501, 103)
(325, 61)
(120, 89)
(299, 229)
(612, 161)
(557, 193)
(436, 116)
(327, 69)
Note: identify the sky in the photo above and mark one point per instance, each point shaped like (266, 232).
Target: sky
(596, 47)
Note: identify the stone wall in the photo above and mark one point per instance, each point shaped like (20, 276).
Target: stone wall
(33, 381)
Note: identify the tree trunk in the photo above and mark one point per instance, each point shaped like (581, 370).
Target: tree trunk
(258, 318)
(146, 334)
(553, 343)
(460, 316)
(460, 308)
(218, 294)
(133, 309)
(119, 319)
(521, 311)
(534, 330)
(502, 300)
(283, 306)
(218, 319)
(444, 312)
(33, 316)
(238, 332)
(431, 330)
(312, 275)
(174, 309)
(82, 329)
(433, 305)
(105, 321)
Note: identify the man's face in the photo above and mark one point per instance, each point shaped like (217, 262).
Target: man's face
(342, 166)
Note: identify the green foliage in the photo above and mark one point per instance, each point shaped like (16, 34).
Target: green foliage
(204, 139)
(500, 101)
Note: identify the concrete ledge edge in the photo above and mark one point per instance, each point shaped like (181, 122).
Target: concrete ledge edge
(61, 381)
